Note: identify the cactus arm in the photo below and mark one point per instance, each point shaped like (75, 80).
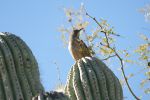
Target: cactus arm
(85, 81)
(96, 80)
(4, 81)
(18, 60)
(93, 80)
(109, 78)
(69, 87)
(32, 63)
(77, 84)
(101, 79)
(118, 89)
(27, 65)
(119, 92)
(10, 67)
(19, 74)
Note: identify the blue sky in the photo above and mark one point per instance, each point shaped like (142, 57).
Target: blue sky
(37, 23)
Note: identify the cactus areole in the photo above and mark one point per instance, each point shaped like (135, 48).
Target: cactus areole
(91, 79)
(19, 74)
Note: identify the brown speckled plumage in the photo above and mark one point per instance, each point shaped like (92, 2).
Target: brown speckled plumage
(77, 47)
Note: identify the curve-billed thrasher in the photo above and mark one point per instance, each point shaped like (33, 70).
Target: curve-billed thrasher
(77, 47)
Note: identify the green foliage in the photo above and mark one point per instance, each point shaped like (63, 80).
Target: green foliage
(144, 55)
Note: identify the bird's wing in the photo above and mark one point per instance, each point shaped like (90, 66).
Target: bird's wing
(84, 48)
(81, 43)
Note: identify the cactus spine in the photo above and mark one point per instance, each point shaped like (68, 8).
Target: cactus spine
(19, 75)
(91, 79)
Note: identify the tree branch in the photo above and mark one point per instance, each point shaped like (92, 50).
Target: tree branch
(116, 54)
(108, 57)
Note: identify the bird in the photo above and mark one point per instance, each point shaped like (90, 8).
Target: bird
(77, 47)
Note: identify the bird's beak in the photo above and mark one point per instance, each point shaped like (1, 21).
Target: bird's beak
(81, 29)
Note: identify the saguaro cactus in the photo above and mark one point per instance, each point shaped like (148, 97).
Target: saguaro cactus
(91, 79)
(19, 74)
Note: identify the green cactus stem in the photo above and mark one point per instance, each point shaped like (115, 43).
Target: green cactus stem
(91, 79)
(19, 74)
